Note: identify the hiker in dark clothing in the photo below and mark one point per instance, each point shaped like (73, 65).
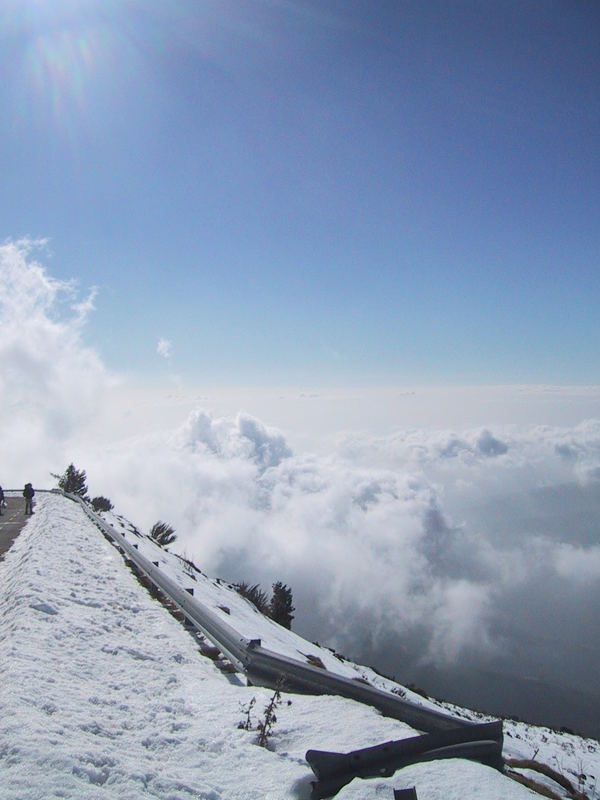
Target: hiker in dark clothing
(2, 501)
(28, 494)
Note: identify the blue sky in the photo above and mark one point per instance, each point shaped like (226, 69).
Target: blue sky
(314, 192)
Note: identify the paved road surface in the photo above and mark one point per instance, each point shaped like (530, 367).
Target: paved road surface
(11, 522)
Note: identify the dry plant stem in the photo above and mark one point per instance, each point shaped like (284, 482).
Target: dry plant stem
(544, 769)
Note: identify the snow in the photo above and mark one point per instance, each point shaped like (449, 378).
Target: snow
(104, 694)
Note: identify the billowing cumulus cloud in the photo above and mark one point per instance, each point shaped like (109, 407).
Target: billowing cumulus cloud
(50, 382)
(458, 550)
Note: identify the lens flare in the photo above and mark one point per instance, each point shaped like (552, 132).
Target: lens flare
(60, 67)
(67, 57)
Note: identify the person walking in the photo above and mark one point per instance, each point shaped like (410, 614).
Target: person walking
(28, 494)
(2, 501)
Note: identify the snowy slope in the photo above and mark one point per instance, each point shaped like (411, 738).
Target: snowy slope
(105, 695)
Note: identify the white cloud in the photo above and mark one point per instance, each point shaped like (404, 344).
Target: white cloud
(84, 308)
(164, 348)
(244, 437)
(51, 384)
(460, 622)
(579, 564)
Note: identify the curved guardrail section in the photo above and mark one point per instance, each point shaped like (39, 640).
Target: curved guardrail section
(482, 743)
(266, 668)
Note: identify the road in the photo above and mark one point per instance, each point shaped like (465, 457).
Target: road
(11, 522)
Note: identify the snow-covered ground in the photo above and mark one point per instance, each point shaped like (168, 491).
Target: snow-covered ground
(104, 694)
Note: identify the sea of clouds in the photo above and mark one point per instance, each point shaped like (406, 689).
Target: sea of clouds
(468, 558)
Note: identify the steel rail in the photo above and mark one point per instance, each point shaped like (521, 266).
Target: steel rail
(40, 491)
(263, 667)
(482, 742)
(267, 668)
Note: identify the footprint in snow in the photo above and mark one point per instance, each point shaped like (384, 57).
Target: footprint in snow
(44, 608)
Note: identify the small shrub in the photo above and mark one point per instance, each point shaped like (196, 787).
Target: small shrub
(265, 725)
(101, 504)
(189, 567)
(163, 533)
(73, 481)
(281, 606)
(255, 595)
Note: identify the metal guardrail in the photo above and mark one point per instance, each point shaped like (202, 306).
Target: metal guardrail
(266, 668)
(482, 743)
(37, 491)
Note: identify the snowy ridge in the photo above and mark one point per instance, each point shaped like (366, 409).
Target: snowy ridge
(105, 695)
(266, 667)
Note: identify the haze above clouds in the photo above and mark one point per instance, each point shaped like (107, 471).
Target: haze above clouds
(455, 547)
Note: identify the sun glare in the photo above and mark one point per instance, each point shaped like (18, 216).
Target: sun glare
(59, 66)
(70, 51)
